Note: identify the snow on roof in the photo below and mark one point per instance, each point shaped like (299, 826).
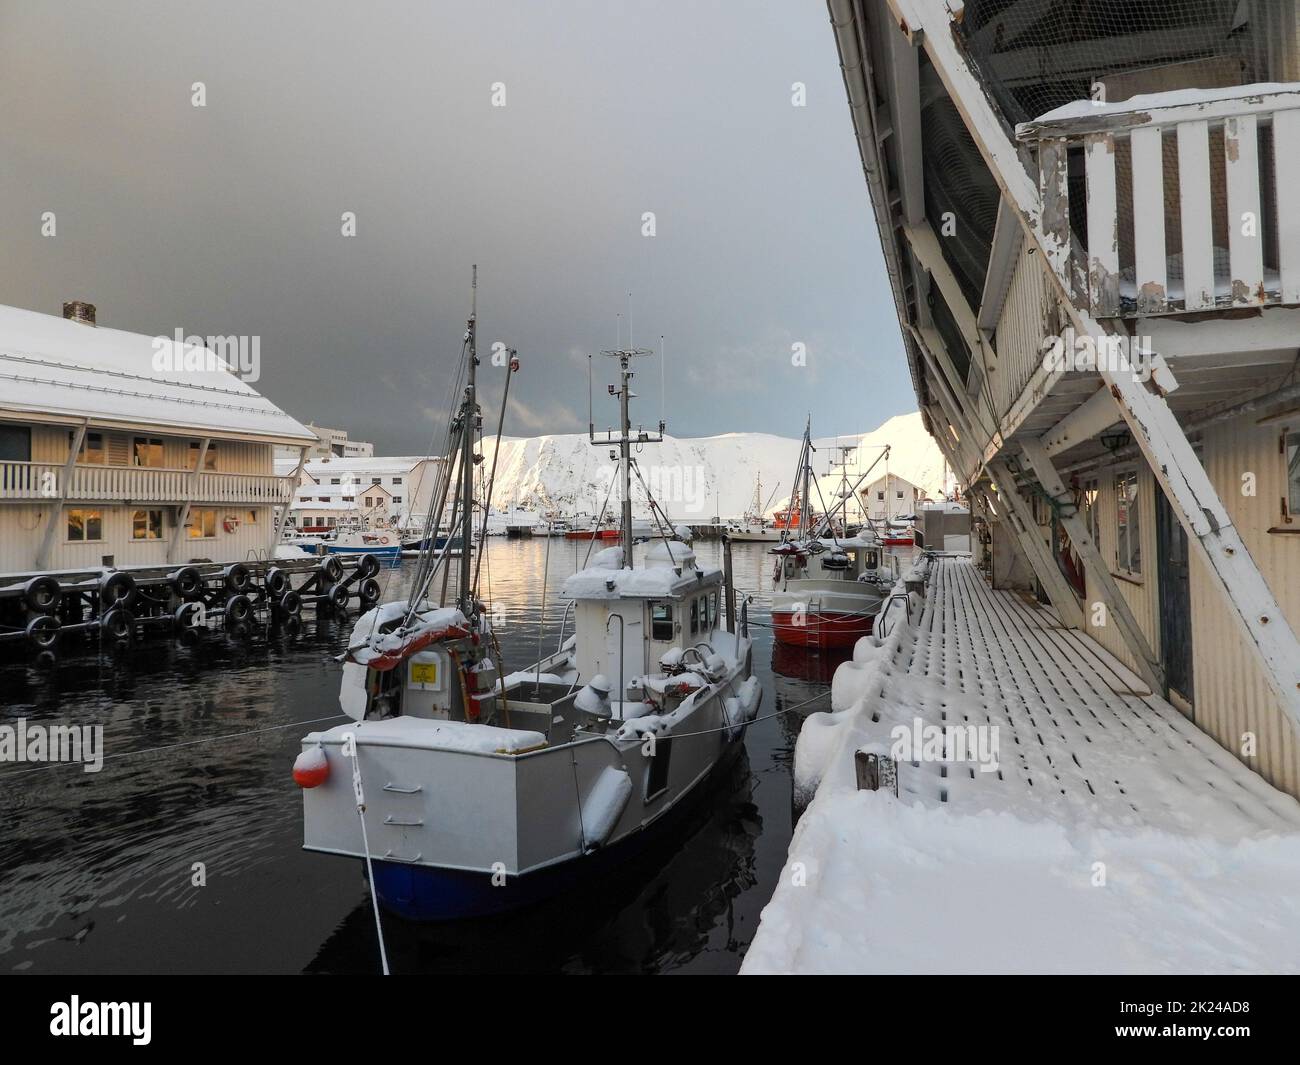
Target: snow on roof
(658, 578)
(370, 464)
(54, 365)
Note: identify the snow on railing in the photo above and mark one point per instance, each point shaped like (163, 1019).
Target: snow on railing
(1207, 178)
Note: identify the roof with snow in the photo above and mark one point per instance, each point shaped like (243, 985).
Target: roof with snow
(56, 366)
(669, 571)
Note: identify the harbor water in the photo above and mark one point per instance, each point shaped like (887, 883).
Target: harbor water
(183, 853)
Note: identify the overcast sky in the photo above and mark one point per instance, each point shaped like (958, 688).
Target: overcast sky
(226, 219)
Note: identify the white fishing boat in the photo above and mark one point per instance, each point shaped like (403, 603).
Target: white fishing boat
(754, 528)
(468, 790)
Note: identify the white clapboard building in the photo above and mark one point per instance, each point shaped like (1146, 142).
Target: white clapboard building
(1092, 236)
(122, 449)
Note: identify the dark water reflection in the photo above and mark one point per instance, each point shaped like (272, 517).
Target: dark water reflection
(96, 869)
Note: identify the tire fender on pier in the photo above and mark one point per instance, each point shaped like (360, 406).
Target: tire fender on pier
(239, 608)
(118, 625)
(42, 594)
(43, 631)
(237, 578)
(117, 589)
(290, 604)
(187, 582)
(276, 581)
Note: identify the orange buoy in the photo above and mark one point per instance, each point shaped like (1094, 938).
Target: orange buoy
(311, 768)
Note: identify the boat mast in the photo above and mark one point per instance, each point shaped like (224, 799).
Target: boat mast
(468, 423)
(624, 439)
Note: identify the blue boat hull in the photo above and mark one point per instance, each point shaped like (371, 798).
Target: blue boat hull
(393, 551)
(422, 893)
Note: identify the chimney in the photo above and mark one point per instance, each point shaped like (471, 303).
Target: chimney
(77, 311)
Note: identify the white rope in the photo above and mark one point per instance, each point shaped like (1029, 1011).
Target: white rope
(350, 740)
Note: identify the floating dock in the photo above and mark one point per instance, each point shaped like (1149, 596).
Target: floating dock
(110, 605)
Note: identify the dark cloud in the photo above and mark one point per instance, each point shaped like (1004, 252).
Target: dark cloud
(226, 219)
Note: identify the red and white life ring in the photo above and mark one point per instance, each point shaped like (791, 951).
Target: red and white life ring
(383, 540)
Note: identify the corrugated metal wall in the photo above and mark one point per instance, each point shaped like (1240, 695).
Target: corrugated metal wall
(21, 527)
(1231, 695)
(1141, 592)
(50, 444)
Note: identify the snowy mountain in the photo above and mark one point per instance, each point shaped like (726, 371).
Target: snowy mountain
(694, 479)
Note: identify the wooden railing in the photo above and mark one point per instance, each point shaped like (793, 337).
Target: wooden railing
(107, 484)
(1214, 187)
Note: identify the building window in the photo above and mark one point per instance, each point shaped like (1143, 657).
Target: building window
(146, 525)
(369, 501)
(15, 443)
(375, 480)
(1293, 474)
(202, 524)
(661, 622)
(250, 517)
(85, 525)
(880, 497)
(331, 522)
(92, 448)
(1128, 523)
(397, 499)
(148, 451)
(1091, 514)
(397, 480)
(335, 480)
(209, 459)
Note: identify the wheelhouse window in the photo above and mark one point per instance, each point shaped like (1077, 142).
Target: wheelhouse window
(695, 616)
(146, 525)
(147, 451)
(1292, 451)
(202, 524)
(209, 459)
(85, 526)
(661, 622)
(1091, 512)
(1128, 523)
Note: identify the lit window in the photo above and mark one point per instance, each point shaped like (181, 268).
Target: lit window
(209, 458)
(146, 525)
(1128, 523)
(202, 524)
(92, 448)
(148, 451)
(250, 517)
(85, 525)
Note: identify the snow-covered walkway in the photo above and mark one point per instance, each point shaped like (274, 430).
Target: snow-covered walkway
(1113, 834)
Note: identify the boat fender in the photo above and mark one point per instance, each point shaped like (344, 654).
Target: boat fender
(41, 594)
(188, 616)
(117, 624)
(369, 589)
(43, 631)
(604, 805)
(116, 589)
(237, 577)
(367, 566)
(238, 609)
(332, 568)
(290, 604)
(311, 768)
(187, 583)
(276, 581)
(338, 595)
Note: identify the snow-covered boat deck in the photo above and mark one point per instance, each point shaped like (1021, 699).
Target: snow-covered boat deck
(1113, 835)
